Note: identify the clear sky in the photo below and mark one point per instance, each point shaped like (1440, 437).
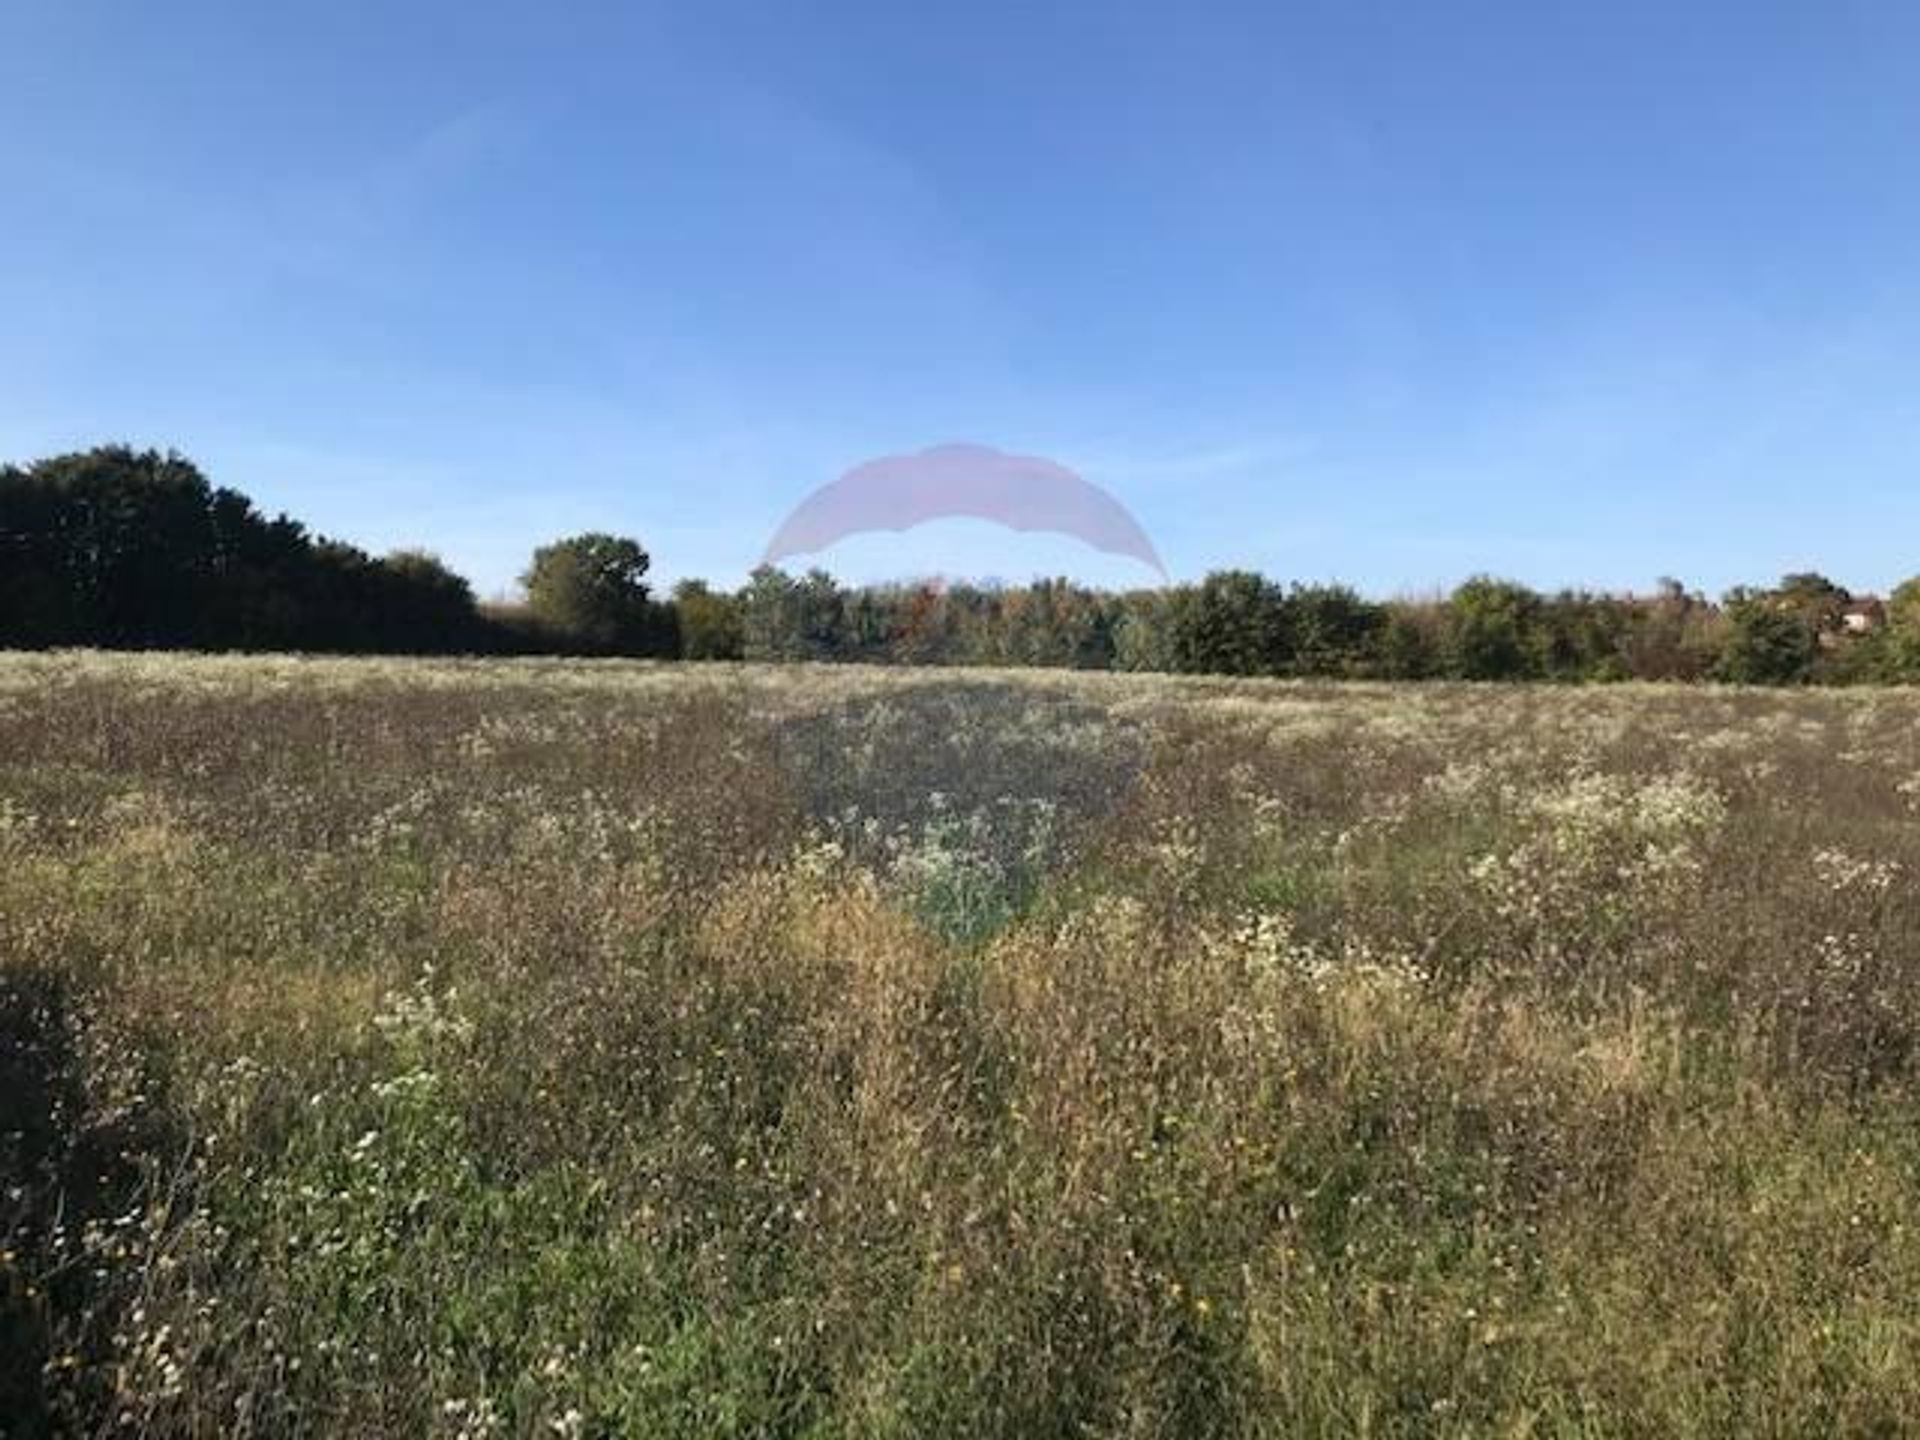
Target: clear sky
(1573, 292)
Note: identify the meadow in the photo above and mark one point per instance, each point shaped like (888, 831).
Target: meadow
(540, 1048)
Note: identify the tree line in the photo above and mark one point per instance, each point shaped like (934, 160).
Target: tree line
(138, 550)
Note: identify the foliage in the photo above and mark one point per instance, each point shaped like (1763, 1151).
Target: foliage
(1768, 642)
(709, 622)
(530, 1047)
(783, 618)
(1491, 629)
(592, 588)
(1234, 624)
(136, 550)
(1813, 597)
(1332, 631)
(1903, 631)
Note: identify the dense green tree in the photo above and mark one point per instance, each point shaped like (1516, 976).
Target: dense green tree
(592, 589)
(134, 549)
(709, 622)
(1412, 641)
(1582, 636)
(1672, 635)
(107, 547)
(1901, 647)
(118, 547)
(1144, 629)
(1234, 624)
(821, 613)
(1055, 622)
(783, 618)
(870, 617)
(427, 607)
(951, 624)
(1332, 630)
(1492, 630)
(769, 606)
(1814, 598)
(1766, 642)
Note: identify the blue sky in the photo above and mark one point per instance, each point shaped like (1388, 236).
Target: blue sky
(1393, 293)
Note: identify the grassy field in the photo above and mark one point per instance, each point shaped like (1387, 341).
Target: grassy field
(594, 1049)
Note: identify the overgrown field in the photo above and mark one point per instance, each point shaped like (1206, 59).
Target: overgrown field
(586, 1049)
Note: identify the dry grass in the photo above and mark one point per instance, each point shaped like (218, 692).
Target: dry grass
(529, 1048)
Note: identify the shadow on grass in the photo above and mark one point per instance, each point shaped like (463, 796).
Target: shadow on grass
(58, 1171)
